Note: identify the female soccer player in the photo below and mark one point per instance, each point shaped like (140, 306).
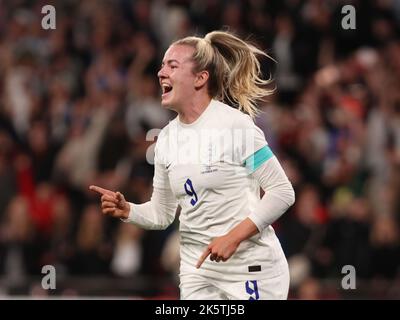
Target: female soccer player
(211, 160)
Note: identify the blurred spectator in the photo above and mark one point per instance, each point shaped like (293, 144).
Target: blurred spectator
(310, 289)
(385, 242)
(347, 238)
(60, 248)
(93, 252)
(127, 256)
(76, 162)
(8, 179)
(20, 250)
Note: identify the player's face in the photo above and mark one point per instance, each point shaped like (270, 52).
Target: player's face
(176, 77)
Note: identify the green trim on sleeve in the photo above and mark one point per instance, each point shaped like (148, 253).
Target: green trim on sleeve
(253, 162)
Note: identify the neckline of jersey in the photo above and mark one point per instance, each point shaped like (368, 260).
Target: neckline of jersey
(199, 119)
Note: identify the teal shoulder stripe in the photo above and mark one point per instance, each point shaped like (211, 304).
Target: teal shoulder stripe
(258, 158)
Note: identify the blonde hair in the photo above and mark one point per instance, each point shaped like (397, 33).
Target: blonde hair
(233, 67)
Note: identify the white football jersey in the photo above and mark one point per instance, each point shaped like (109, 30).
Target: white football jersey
(203, 163)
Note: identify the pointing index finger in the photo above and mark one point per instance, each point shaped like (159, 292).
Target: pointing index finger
(203, 257)
(102, 191)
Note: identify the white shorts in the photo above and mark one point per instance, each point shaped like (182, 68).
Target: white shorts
(197, 287)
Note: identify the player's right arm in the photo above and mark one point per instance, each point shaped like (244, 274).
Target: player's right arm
(156, 214)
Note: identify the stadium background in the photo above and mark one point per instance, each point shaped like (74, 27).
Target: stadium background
(77, 102)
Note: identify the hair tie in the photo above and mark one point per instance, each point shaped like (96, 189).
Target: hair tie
(207, 40)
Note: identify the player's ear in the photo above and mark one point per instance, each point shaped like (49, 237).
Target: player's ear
(201, 79)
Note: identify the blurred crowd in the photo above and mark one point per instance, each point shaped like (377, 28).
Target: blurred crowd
(78, 105)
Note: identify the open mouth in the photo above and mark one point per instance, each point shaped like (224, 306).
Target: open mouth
(166, 88)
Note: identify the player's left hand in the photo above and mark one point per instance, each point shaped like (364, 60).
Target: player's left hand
(220, 249)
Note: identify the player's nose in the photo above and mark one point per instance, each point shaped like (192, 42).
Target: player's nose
(161, 73)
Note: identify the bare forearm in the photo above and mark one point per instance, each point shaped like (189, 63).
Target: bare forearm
(243, 231)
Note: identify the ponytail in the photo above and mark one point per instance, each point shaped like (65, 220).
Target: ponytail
(235, 72)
